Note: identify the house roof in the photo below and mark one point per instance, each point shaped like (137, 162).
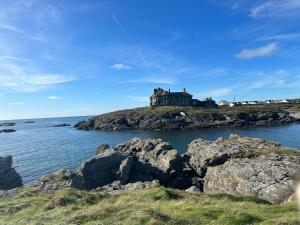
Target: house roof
(162, 92)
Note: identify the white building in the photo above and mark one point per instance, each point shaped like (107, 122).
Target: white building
(223, 103)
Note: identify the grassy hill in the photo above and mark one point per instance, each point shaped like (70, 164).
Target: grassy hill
(149, 206)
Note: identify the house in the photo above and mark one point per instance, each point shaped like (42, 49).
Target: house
(162, 97)
(223, 103)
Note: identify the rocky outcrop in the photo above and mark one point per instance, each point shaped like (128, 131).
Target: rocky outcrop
(136, 161)
(184, 118)
(8, 124)
(236, 166)
(9, 178)
(62, 125)
(7, 130)
(245, 166)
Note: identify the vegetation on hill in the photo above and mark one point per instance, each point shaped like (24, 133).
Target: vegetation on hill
(148, 206)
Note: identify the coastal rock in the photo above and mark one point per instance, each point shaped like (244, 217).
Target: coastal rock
(155, 159)
(117, 187)
(101, 170)
(184, 118)
(268, 179)
(193, 189)
(8, 124)
(7, 130)
(136, 161)
(245, 166)
(9, 178)
(102, 148)
(62, 125)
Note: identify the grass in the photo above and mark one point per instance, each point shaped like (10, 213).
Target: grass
(149, 206)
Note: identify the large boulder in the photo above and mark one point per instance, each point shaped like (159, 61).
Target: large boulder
(136, 161)
(271, 180)
(9, 178)
(245, 166)
(102, 169)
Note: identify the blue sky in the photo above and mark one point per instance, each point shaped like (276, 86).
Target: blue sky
(64, 58)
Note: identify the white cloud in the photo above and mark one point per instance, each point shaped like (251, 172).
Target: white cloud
(53, 97)
(120, 66)
(16, 103)
(279, 37)
(276, 8)
(11, 28)
(216, 92)
(24, 79)
(263, 51)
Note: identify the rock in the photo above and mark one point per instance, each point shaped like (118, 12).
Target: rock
(62, 125)
(56, 181)
(101, 170)
(117, 187)
(102, 148)
(156, 159)
(8, 193)
(137, 160)
(268, 179)
(245, 166)
(10, 124)
(29, 121)
(7, 130)
(9, 178)
(193, 189)
(185, 118)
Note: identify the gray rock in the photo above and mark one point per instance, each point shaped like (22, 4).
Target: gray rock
(268, 179)
(9, 178)
(55, 181)
(102, 148)
(245, 166)
(7, 130)
(101, 170)
(193, 189)
(117, 187)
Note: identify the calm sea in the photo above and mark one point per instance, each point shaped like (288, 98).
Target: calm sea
(39, 148)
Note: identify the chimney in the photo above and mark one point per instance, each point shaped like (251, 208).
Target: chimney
(184, 90)
(169, 90)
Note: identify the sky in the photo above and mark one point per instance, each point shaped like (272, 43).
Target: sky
(86, 57)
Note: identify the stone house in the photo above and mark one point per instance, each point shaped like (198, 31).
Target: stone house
(162, 97)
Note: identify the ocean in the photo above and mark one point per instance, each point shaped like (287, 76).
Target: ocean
(39, 148)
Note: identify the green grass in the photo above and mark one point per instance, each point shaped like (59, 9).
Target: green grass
(149, 206)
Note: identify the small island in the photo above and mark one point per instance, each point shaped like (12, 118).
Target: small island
(179, 111)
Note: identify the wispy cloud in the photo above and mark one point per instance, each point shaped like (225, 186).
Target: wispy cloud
(280, 37)
(276, 8)
(11, 28)
(53, 98)
(18, 78)
(124, 30)
(263, 51)
(220, 92)
(120, 66)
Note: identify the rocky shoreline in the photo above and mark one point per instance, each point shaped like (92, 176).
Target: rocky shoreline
(186, 118)
(236, 166)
